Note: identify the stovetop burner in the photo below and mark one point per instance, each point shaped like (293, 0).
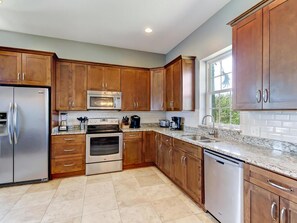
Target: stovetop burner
(103, 125)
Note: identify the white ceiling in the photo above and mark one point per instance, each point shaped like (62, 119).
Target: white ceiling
(118, 23)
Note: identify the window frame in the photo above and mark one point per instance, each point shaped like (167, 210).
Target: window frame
(209, 91)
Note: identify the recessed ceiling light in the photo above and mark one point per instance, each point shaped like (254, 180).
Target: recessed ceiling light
(1, 1)
(147, 30)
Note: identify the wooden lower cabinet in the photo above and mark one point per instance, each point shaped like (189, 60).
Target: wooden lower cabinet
(268, 197)
(139, 149)
(68, 155)
(178, 172)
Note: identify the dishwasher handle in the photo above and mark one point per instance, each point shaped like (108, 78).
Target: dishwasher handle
(219, 158)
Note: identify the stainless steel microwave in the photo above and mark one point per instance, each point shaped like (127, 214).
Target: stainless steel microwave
(104, 100)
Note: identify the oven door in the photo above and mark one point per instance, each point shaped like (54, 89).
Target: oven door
(104, 147)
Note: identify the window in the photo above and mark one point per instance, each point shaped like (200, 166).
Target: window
(219, 93)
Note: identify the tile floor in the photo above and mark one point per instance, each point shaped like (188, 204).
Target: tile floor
(142, 195)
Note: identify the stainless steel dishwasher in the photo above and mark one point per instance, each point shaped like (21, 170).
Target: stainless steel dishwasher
(223, 187)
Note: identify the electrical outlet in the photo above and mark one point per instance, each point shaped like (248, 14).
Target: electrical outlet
(255, 131)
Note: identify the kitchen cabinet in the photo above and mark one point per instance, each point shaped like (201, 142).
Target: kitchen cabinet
(68, 155)
(268, 197)
(135, 85)
(180, 84)
(71, 86)
(133, 149)
(102, 78)
(25, 68)
(187, 169)
(158, 89)
(149, 150)
(164, 154)
(263, 65)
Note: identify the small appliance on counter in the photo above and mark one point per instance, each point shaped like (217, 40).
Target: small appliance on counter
(63, 122)
(164, 123)
(83, 121)
(135, 121)
(177, 123)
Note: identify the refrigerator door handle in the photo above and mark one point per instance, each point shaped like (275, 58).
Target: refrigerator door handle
(9, 123)
(16, 124)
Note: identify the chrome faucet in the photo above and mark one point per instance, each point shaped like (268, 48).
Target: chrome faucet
(213, 132)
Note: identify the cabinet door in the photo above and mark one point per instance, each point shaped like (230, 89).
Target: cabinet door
(177, 85)
(178, 167)
(95, 78)
(247, 63)
(260, 205)
(128, 86)
(112, 79)
(159, 155)
(149, 149)
(79, 87)
(10, 67)
(158, 89)
(280, 60)
(143, 90)
(36, 69)
(132, 152)
(288, 211)
(167, 159)
(188, 85)
(169, 88)
(194, 178)
(63, 85)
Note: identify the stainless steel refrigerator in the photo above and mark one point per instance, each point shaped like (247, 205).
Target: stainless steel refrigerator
(24, 134)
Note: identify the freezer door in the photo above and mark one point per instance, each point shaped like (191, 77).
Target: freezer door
(31, 120)
(6, 147)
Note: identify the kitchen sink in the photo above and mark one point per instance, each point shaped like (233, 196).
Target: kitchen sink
(200, 138)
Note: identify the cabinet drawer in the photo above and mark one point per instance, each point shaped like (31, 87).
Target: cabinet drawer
(276, 183)
(60, 149)
(166, 140)
(69, 139)
(67, 165)
(132, 135)
(188, 148)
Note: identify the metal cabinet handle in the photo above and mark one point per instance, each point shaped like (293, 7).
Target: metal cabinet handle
(102, 85)
(170, 151)
(69, 139)
(185, 158)
(105, 85)
(279, 186)
(259, 96)
(265, 95)
(23, 76)
(181, 159)
(69, 150)
(273, 211)
(124, 145)
(283, 215)
(19, 76)
(72, 104)
(68, 165)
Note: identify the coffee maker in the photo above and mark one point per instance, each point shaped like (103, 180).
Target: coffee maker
(135, 121)
(63, 122)
(177, 123)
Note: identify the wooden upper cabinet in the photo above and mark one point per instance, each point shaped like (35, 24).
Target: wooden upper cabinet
(158, 89)
(280, 59)
(10, 67)
(180, 84)
(63, 86)
(95, 78)
(25, 69)
(264, 58)
(135, 85)
(260, 205)
(104, 78)
(71, 86)
(36, 69)
(79, 89)
(247, 63)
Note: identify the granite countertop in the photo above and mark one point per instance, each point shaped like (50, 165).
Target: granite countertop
(281, 162)
(278, 161)
(73, 131)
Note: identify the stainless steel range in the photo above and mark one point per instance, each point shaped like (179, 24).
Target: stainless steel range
(104, 151)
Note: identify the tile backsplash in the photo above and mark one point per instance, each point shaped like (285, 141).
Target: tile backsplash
(145, 117)
(279, 125)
